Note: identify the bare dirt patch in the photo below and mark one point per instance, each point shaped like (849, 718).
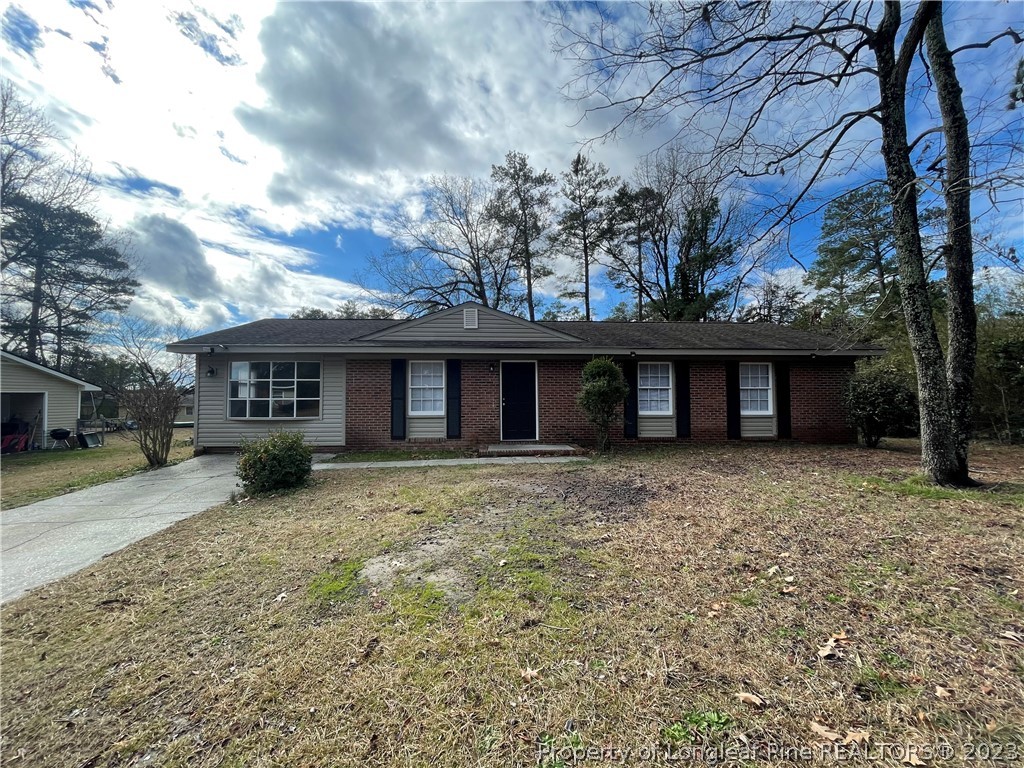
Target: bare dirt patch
(729, 596)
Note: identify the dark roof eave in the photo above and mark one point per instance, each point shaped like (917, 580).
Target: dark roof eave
(492, 350)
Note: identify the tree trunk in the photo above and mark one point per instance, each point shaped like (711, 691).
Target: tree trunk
(586, 275)
(34, 340)
(958, 253)
(528, 268)
(938, 454)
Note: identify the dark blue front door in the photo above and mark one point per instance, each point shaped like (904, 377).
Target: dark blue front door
(518, 401)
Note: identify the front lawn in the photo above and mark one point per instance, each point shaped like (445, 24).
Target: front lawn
(750, 597)
(36, 475)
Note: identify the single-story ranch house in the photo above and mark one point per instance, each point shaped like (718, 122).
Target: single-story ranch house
(471, 375)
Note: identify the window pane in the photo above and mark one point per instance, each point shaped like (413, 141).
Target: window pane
(236, 409)
(283, 393)
(259, 370)
(307, 408)
(284, 370)
(239, 371)
(307, 370)
(283, 408)
(259, 389)
(238, 390)
(308, 389)
(259, 409)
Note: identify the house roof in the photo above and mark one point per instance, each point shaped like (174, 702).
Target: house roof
(85, 385)
(443, 331)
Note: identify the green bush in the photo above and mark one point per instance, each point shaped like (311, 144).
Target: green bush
(604, 388)
(275, 462)
(880, 402)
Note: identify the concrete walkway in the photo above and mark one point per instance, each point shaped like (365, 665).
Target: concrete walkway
(448, 462)
(44, 541)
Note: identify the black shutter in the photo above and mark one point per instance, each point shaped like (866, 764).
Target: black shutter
(398, 389)
(782, 401)
(453, 382)
(630, 427)
(732, 400)
(682, 372)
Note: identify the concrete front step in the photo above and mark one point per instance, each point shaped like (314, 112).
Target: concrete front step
(531, 449)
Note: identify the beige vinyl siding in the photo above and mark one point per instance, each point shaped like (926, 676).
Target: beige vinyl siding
(63, 399)
(656, 426)
(491, 327)
(758, 426)
(215, 430)
(426, 427)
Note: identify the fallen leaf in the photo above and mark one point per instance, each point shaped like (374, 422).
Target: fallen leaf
(943, 693)
(823, 732)
(991, 727)
(750, 698)
(280, 597)
(829, 651)
(988, 690)
(840, 637)
(529, 674)
(857, 737)
(788, 590)
(773, 570)
(913, 759)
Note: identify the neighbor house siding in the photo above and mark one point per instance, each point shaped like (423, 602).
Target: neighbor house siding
(215, 430)
(63, 399)
(816, 397)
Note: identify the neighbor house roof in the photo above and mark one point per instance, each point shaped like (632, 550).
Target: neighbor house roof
(85, 385)
(379, 336)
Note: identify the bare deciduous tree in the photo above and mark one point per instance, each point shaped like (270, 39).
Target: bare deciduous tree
(742, 76)
(153, 394)
(453, 252)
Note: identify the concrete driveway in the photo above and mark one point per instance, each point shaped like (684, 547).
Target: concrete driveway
(44, 541)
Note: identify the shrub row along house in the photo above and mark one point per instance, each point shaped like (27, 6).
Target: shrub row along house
(471, 375)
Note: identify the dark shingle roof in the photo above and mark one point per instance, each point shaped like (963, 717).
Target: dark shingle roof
(604, 334)
(691, 335)
(293, 331)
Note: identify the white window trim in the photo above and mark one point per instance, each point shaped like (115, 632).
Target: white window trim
(771, 388)
(444, 389)
(228, 399)
(671, 389)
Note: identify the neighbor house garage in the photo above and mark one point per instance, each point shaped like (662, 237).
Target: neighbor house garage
(38, 399)
(471, 375)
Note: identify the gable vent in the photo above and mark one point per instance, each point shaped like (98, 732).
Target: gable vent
(470, 318)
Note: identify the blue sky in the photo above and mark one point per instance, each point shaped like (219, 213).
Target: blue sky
(256, 149)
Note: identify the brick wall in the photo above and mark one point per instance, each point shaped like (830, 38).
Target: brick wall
(561, 419)
(368, 403)
(481, 401)
(816, 396)
(707, 401)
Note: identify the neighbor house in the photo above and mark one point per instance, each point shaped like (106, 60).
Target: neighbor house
(471, 375)
(36, 400)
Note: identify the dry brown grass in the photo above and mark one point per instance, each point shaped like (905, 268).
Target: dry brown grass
(37, 475)
(616, 605)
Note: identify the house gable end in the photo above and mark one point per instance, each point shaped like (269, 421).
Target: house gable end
(470, 322)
